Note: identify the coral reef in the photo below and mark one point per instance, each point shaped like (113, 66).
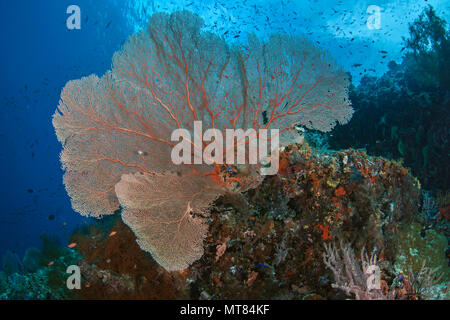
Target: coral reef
(404, 113)
(354, 277)
(114, 266)
(41, 275)
(269, 241)
(362, 277)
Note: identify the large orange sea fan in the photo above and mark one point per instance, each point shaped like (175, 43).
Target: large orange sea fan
(116, 129)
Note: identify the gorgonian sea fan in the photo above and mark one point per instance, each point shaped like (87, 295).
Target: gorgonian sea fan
(116, 129)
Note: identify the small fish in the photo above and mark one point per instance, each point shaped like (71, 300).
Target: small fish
(264, 115)
(142, 153)
(51, 263)
(51, 217)
(112, 233)
(265, 266)
(72, 245)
